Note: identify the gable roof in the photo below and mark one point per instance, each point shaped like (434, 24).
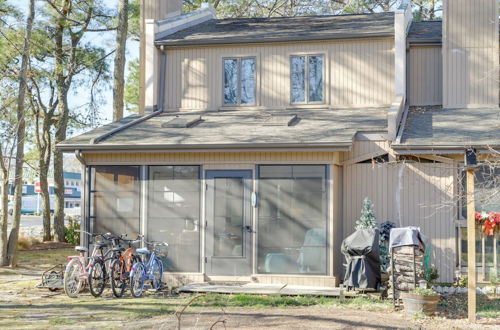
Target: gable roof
(241, 129)
(282, 29)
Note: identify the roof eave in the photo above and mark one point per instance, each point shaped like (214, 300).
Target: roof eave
(221, 41)
(403, 149)
(340, 146)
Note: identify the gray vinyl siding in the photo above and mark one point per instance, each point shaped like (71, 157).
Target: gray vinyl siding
(357, 73)
(425, 76)
(470, 53)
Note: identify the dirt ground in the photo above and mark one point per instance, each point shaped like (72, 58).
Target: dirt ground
(312, 317)
(22, 306)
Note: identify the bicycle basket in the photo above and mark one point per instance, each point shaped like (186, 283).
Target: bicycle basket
(161, 250)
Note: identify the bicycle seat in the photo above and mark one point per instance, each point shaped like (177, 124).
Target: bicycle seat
(143, 251)
(120, 249)
(101, 245)
(81, 248)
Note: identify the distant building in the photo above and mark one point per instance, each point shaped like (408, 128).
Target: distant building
(32, 203)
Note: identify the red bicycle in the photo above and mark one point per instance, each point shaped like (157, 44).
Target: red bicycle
(121, 268)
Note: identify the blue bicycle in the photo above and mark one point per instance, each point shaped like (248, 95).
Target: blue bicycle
(150, 268)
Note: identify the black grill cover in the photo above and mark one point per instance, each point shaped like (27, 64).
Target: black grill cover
(363, 260)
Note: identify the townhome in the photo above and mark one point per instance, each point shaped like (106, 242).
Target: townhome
(260, 137)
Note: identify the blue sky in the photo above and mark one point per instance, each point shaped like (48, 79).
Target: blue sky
(105, 39)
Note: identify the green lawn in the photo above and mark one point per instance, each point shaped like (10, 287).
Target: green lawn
(259, 301)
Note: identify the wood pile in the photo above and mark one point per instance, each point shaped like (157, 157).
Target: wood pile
(406, 270)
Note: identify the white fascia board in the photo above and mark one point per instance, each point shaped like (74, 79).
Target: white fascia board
(181, 22)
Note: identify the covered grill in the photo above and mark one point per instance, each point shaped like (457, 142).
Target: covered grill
(361, 251)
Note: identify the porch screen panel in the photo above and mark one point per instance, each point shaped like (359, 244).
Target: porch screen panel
(174, 214)
(114, 198)
(292, 220)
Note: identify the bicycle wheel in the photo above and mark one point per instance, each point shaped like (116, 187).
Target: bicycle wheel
(157, 271)
(137, 280)
(72, 278)
(117, 284)
(97, 277)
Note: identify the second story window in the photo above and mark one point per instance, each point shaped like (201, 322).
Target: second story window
(239, 81)
(307, 79)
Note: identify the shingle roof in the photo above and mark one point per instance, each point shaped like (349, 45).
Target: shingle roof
(432, 127)
(425, 32)
(243, 129)
(277, 29)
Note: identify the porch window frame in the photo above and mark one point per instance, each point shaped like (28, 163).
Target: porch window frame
(201, 224)
(90, 216)
(461, 223)
(239, 60)
(306, 78)
(328, 212)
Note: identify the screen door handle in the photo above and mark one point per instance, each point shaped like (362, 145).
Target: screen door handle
(248, 229)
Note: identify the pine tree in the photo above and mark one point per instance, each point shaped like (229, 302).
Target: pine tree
(367, 219)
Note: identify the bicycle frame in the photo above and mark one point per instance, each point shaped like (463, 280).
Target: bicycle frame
(148, 274)
(87, 266)
(126, 263)
(148, 265)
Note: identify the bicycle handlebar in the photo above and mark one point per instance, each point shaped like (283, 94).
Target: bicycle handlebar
(156, 243)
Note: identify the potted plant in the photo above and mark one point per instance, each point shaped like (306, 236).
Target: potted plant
(421, 301)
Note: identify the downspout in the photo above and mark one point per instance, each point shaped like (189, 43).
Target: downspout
(78, 155)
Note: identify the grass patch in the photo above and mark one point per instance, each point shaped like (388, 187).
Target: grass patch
(490, 307)
(455, 306)
(261, 301)
(57, 320)
(44, 258)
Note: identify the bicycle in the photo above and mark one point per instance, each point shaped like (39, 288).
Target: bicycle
(121, 268)
(98, 266)
(151, 270)
(77, 271)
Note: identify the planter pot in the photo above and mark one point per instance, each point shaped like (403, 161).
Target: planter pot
(415, 303)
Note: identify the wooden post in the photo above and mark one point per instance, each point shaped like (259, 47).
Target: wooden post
(471, 247)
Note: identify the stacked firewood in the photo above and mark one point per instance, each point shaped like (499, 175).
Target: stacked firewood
(405, 270)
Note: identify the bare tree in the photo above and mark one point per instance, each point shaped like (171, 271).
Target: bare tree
(8, 130)
(119, 72)
(43, 120)
(21, 134)
(72, 20)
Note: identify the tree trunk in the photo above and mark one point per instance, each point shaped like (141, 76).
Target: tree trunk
(63, 83)
(44, 187)
(60, 136)
(21, 127)
(119, 71)
(4, 216)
